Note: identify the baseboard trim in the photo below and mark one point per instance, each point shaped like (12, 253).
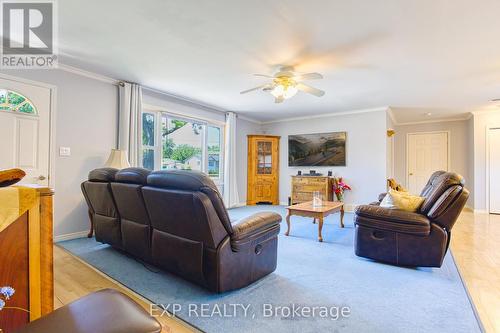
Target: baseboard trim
(73, 235)
(480, 211)
(241, 204)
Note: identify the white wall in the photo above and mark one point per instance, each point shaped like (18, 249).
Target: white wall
(366, 152)
(459, 148)
(481, 122)
(86, 121)
(243, 128)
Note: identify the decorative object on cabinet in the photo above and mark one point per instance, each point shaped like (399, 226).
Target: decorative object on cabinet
(263, 169)
(304, 186)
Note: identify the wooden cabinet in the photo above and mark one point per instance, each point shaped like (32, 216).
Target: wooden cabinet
(304, 186)
(263, 169)
(26, 263)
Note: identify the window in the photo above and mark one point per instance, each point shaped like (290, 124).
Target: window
(148, 140)
(182, 142)
(214, 150)
(15, 102)
(173, 142)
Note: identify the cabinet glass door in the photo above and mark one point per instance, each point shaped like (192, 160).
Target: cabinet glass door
(264, 157)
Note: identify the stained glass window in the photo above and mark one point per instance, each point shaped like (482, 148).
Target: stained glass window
(15, 102)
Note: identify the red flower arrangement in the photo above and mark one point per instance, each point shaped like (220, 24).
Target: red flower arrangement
(339, 187)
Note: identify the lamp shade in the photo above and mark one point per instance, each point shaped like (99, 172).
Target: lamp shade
(117, 159)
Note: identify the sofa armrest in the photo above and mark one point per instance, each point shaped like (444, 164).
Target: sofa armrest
(254, 224)
(392, 219)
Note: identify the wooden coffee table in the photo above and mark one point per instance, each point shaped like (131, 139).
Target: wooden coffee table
(306, 209)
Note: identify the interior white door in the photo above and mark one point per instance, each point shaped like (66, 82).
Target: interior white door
(427, 152)
(494, 143)
(25, 137)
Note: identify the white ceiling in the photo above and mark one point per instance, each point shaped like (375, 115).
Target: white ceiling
(417, 56)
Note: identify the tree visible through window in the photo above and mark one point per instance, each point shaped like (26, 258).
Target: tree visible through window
(15, 102)
(172, 142)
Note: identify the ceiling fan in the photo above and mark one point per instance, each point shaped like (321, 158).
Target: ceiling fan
(286, 83)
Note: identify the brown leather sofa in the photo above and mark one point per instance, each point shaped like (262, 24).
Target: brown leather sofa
(176, 220)
(412, 239)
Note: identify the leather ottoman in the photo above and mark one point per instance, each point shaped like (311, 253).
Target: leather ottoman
(105, 311)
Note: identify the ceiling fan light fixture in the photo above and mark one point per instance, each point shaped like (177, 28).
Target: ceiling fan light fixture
(285, 87)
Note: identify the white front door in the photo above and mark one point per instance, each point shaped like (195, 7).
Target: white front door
(494, 140)
(25, 129)
(427, 152)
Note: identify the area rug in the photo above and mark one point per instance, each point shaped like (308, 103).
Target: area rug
(339, 291)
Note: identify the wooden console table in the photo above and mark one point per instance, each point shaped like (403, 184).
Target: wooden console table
(304, 186)
(26, 253)
(307, 209)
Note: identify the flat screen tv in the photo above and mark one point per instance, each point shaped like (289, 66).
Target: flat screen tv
(320, 149)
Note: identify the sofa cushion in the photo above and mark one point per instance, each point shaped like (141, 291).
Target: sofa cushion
(402, 200)
(392, 220)
(102, 175)
(133, 176)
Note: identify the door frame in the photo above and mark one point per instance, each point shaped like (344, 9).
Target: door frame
(52, 119)
(487, 187)
(448, 157)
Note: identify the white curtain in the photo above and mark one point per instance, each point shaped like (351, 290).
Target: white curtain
(130, 121)
(231, 198)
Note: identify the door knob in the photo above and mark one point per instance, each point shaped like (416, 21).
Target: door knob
(411, 173)
(41, 177)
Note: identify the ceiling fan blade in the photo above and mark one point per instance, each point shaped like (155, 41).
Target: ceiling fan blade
(308, 76)
(256, 88)
(264, 75)
(310, 90)
(279, 99)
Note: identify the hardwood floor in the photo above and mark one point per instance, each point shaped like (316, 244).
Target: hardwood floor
(73, 279)
(475, 243)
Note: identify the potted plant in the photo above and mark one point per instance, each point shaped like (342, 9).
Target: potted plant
(339, 187)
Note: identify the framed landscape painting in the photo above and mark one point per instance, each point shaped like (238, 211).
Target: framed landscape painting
(319, 149)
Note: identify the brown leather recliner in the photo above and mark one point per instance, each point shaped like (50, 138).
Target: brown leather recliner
(176, 220)
(412, 239)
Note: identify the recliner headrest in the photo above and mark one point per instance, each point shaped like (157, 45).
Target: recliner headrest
(133, 176)
(180, 179)
(102, 175)
(438, 186)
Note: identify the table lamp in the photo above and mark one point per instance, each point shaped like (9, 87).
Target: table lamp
(117, 159)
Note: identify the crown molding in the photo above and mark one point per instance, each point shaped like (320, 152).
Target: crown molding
(91, 75)
(255, 121)
(481, 112)
(325, 115)
(106, 79)
(446, 120)
(186, 100)
(391, 116)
